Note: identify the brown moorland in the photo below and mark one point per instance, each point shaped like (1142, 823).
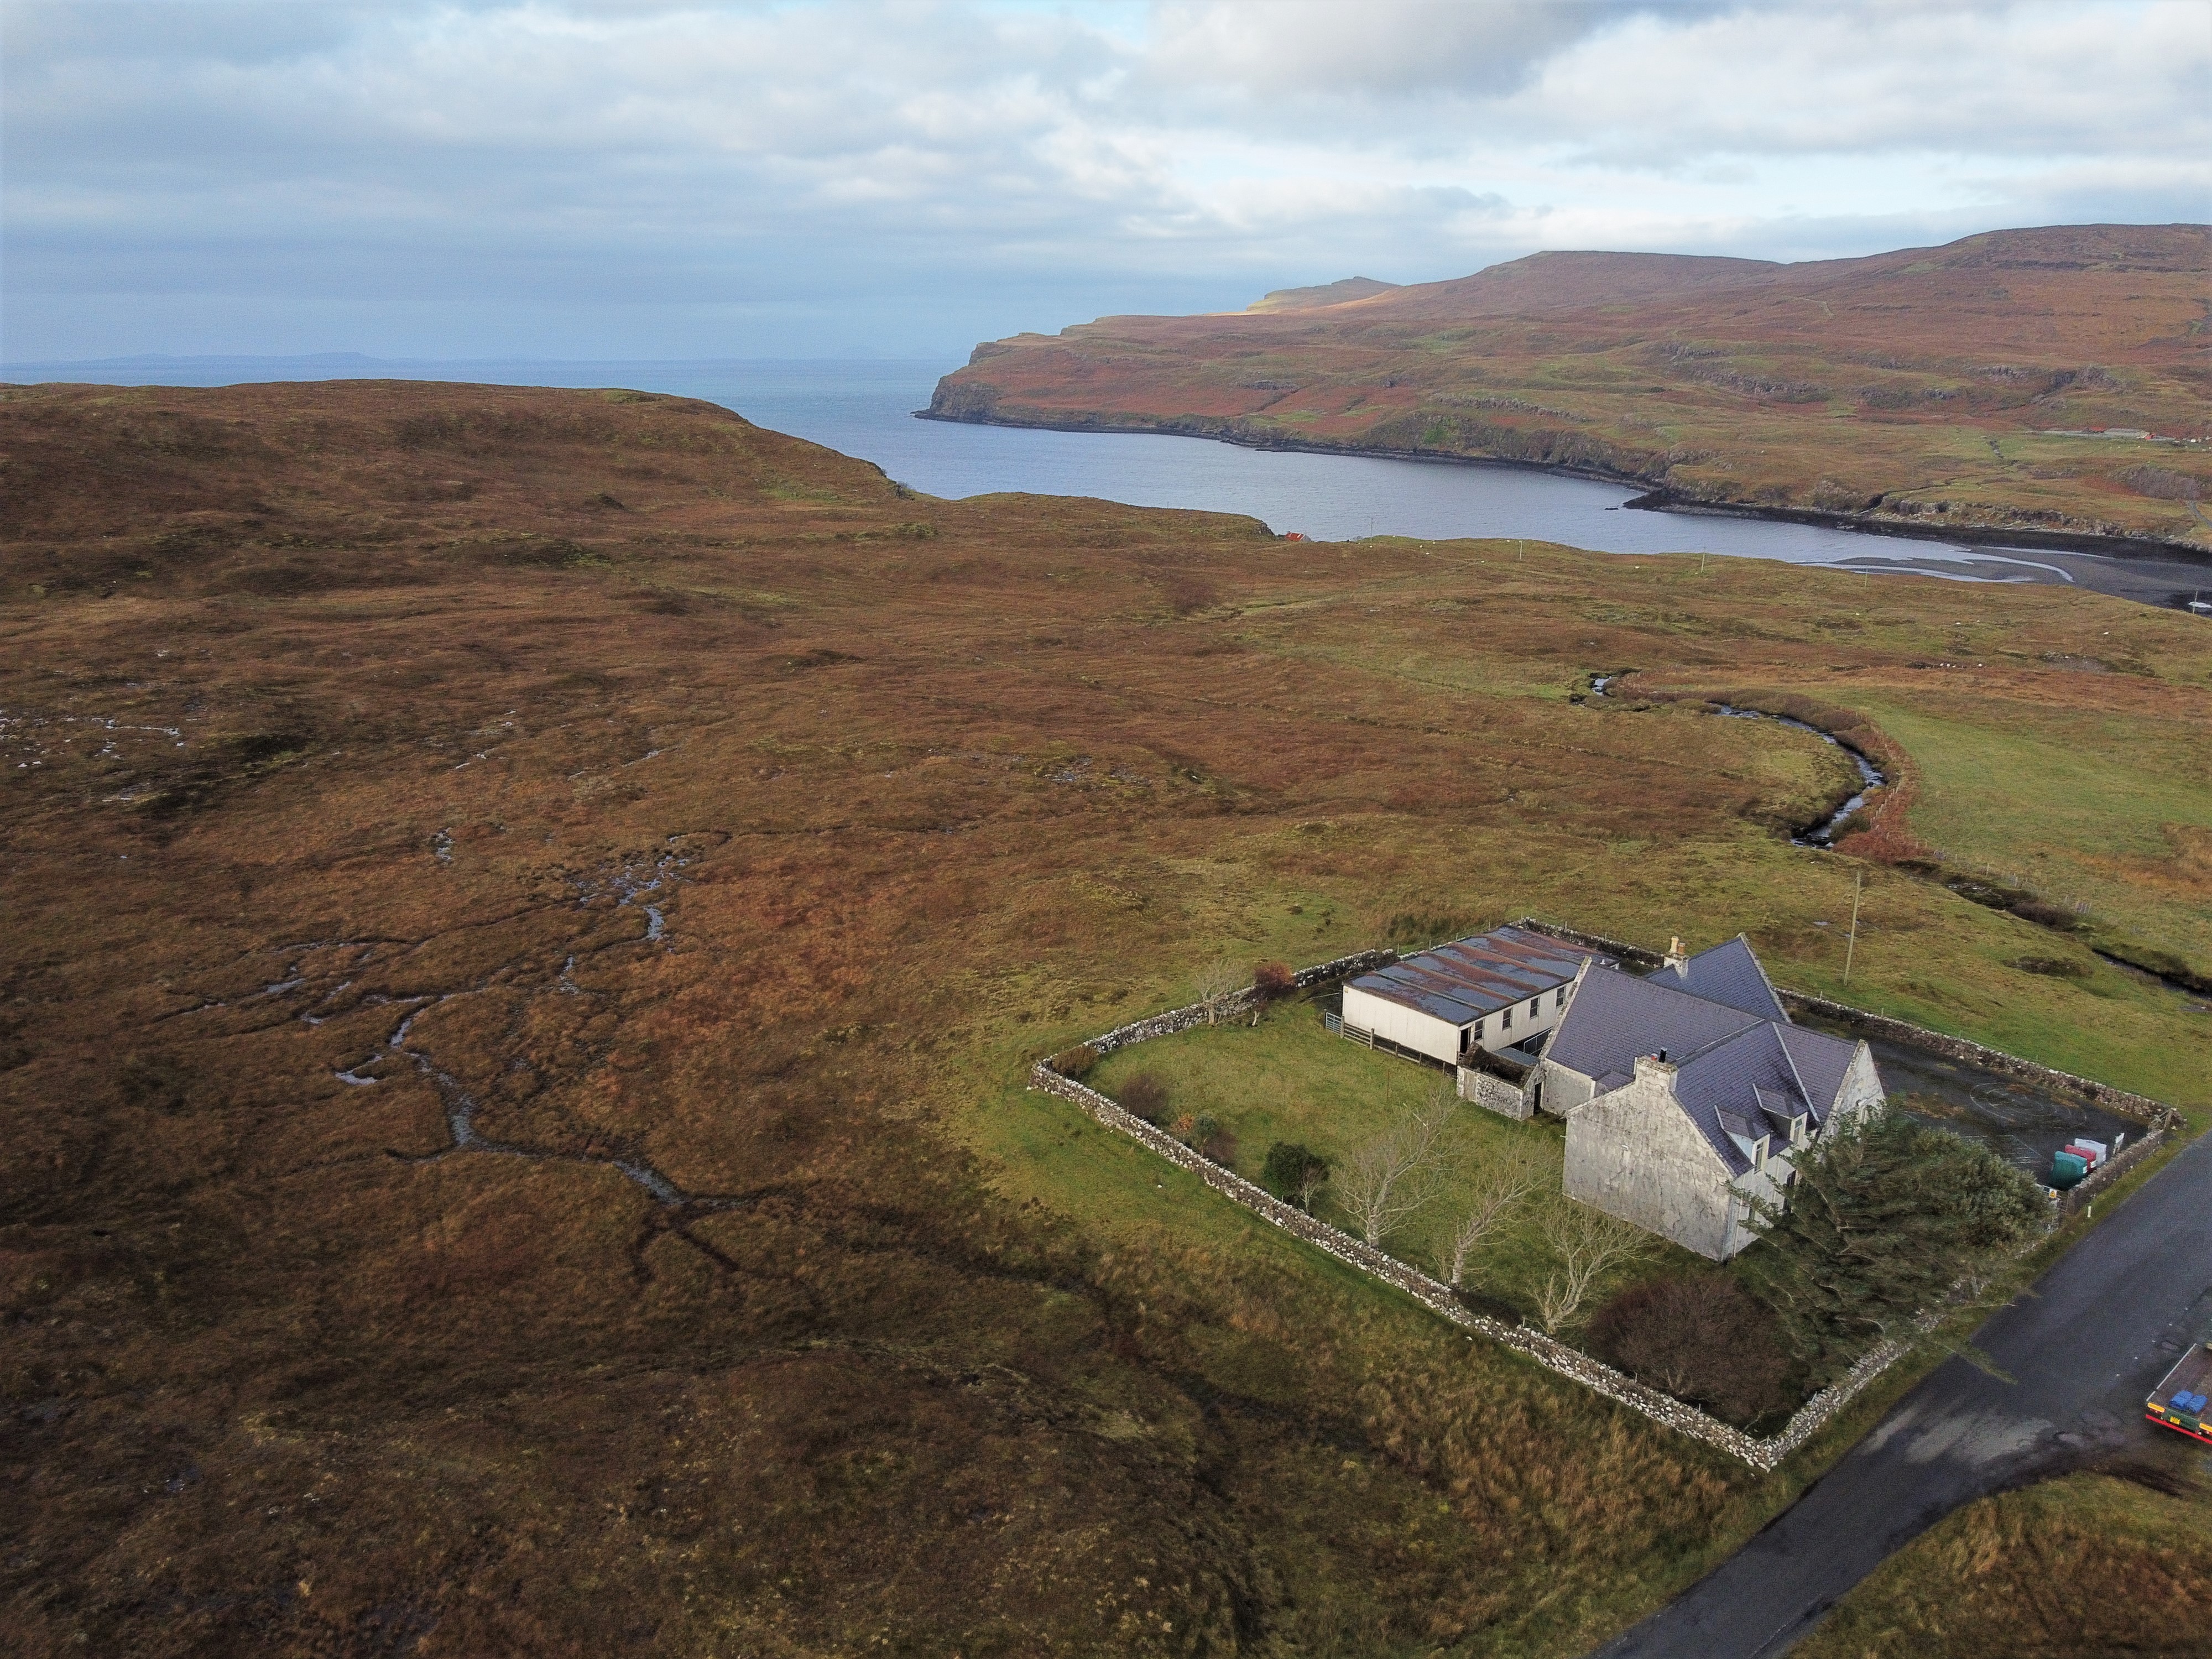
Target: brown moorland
(1957, 388)
(527, 915)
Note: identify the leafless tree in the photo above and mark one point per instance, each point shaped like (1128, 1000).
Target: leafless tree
(1382, 1185)
(1494, 1188)
(1311, 1179)
(1587, 1244)
(1217, 986)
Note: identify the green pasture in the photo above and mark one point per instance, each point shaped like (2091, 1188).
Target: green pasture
(1288, 1079)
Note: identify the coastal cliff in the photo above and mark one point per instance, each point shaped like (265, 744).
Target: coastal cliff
(2047, 385)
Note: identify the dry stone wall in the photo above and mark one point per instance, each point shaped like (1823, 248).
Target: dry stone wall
(1198, 1013)
(1763, 1455)
(2110, 1172)
(2142, 1108)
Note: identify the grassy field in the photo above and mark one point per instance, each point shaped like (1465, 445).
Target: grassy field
(1289, 1080)
(324, 706)
(2094, 807)
(2093, 1563)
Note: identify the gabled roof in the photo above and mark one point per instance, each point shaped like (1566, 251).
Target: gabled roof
(1461, 981)
(1737, 1071)
(1728, 973)
(1616, 1017)
(1750, 1078)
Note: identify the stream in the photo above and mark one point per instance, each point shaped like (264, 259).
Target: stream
(1823, 834)
(629, 883)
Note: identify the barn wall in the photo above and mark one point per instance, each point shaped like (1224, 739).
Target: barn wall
(1407, 1027)
(1525, 1025)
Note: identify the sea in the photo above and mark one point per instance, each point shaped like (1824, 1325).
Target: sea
(866, 408)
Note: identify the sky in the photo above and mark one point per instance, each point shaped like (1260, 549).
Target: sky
(565, 180)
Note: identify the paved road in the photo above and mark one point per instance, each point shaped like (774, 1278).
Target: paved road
(2083, 1346)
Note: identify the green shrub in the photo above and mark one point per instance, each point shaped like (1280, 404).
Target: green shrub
(1884, 1215)
(1294, 1174)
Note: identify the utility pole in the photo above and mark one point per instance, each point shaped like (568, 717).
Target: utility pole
(1851, 945)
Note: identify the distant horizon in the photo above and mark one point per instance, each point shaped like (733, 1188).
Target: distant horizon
(155, 359)
(919, 355)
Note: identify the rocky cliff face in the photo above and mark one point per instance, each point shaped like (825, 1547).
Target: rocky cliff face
(2026, 378)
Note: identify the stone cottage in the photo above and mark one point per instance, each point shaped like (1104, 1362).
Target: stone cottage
(1686, 1091)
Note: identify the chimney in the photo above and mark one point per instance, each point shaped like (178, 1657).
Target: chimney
(1654, 1065)
(1677, 959)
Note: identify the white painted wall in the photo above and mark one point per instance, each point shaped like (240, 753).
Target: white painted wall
(1545, 1017)
(1407, 1027)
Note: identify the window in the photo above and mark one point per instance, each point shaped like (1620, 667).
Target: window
(1506, 1020)
(1478, 1031)
(1560, 997)
(1535, 1007)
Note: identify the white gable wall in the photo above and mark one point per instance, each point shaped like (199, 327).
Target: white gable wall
(1634, 1153)
(1861, 1090)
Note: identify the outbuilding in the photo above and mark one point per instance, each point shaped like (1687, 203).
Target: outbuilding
(1496, 991)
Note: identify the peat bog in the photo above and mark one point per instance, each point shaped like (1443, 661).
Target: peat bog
(332, 709)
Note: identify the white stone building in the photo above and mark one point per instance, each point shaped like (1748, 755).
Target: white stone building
(1684, 1092)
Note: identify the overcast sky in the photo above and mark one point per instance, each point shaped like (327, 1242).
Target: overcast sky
(579, 180)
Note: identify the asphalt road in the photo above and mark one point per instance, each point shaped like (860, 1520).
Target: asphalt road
(2083, 1346)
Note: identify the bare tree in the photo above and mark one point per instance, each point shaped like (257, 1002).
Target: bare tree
(1494, 1189)
(1382, 1185)
(1588, 1244)
(1311, 1180)
(1217, 986)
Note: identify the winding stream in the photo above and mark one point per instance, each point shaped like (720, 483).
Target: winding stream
(629, 883)
(1822, 835)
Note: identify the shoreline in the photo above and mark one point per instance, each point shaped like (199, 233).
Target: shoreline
(1652, 499)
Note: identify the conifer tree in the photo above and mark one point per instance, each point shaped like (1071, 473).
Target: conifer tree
(1885, 1216)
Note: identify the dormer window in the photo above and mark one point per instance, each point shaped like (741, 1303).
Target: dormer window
(1797, 1130)
(1759, 1153)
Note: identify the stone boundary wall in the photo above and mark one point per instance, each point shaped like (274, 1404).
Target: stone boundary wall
(1198, 1013)
(2112, 1169)
(2155, 1114)
(1763, 1455)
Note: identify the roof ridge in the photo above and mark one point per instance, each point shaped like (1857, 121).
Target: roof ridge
(1744, 939)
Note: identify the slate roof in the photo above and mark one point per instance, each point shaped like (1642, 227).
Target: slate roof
(1616, 1017)
(1738, 1070)
(1461, 981)
(1751, 1077)
(1728, 973)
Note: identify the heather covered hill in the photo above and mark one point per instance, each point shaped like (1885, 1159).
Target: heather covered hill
(1949, 387)
(528, 914)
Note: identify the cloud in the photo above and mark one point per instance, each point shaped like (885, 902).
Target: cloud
(452, 179)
